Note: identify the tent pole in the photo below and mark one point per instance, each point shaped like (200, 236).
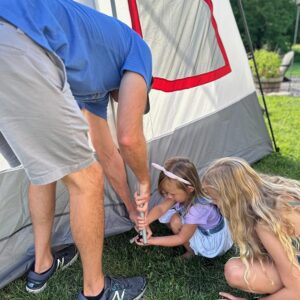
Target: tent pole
(256, 71)
(296, 24)
(113, 8)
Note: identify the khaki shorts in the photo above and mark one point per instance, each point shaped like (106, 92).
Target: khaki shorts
(39, 117)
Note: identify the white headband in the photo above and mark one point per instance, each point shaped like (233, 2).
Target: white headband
(170, 174)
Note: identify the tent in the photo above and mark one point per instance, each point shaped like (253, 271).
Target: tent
(203, 105)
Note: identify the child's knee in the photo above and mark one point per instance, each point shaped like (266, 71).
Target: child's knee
(175, 223)
(234, 272)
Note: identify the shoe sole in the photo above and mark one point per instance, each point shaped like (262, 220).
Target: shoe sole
(140, 295)
(37, 291)
(71, 262)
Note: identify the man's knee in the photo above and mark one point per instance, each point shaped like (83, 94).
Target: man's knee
(86, 180)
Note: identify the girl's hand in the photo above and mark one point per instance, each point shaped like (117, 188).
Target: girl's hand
(139, 241)
(148, 231)
(230, 297)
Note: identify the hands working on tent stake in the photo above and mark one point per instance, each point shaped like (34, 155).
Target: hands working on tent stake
(186, 213)
(142, 207)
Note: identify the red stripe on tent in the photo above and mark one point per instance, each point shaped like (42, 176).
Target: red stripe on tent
(134, 15)
(187, 82)
(215, 26)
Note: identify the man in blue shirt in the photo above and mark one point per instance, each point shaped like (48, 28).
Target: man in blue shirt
(52, 52)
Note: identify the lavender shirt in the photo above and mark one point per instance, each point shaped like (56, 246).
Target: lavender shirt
(203, 213)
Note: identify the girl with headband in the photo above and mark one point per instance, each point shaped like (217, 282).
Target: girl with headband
(196, 223)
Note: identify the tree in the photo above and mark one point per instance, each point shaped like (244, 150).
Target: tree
(271, 23)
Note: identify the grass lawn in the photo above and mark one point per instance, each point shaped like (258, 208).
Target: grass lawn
(169, 277)
(294, 70)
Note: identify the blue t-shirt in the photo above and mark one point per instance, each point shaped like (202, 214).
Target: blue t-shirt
(96, 49)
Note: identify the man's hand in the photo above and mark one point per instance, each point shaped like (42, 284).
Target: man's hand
(142, 223)
(142, 198)
(133, 216)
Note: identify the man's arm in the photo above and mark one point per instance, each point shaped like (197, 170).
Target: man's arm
(132, 99)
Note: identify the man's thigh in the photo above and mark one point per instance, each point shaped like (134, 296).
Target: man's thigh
(39, 117)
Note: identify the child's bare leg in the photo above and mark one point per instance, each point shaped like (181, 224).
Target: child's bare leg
(175, 225)
(262, 279)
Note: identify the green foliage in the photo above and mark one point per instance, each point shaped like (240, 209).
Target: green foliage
(270, 22)
(296, 49)
(267, 62)
(294, 70)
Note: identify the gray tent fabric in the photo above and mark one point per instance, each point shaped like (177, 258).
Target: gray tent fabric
(7, 153)
(218, 135)
(222, 134)
(16, 236)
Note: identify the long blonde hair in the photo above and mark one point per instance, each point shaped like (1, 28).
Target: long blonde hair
(248, 198)
(185, 169)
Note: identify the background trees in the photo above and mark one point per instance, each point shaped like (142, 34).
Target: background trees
(271, 23)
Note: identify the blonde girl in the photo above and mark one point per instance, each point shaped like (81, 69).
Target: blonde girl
(264, 218)
(196, 223)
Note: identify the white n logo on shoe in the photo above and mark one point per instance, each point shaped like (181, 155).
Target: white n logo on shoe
(60, 263)
(117, 295)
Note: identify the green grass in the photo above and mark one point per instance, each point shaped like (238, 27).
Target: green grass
(284, 114)
(169, 277)
(294, 70)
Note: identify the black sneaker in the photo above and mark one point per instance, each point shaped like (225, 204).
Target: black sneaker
(131, 288)
(37, 282)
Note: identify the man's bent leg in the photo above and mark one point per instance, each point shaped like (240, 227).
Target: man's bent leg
(87, 223)
(42, 206)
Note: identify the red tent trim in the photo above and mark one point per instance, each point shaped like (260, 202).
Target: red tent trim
(188, 82)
